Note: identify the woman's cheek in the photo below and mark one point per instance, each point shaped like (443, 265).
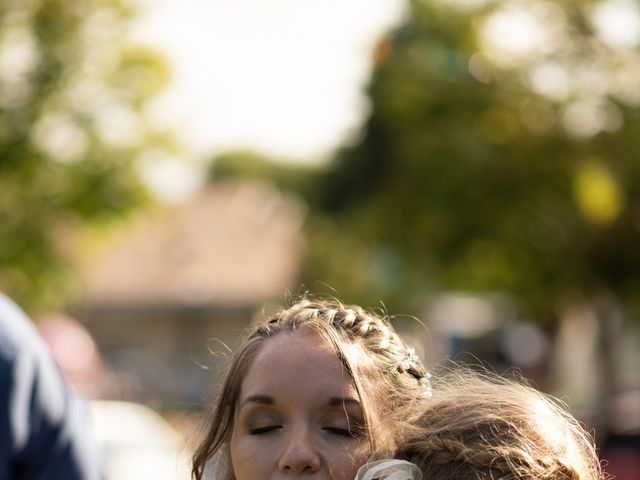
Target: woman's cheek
(241, 452)
(347, 458)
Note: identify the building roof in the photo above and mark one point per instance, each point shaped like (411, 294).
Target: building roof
(234, 244)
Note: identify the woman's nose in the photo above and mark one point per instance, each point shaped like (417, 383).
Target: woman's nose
(300, 454)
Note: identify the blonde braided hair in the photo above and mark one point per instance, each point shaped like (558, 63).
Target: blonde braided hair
(390, 379)
(373, 332)
(482, 426)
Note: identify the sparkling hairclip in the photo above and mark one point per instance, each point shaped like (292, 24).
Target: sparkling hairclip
(410, 360)
(408, 365)
(389, 469)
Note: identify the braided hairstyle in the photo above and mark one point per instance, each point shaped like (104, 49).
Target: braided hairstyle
(386, 373)
(480, 426)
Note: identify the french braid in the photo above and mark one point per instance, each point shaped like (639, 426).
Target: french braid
(480, 426)
(373, 332)
(451, 459)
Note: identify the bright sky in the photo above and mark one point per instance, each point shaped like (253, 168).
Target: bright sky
(283, 77)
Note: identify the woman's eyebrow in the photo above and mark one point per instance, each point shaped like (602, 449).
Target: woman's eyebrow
(340, 401)
(261, 399)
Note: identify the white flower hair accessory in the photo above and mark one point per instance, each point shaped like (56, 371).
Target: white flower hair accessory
(389, 469)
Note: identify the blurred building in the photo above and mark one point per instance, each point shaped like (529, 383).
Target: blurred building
(166, 298)
(486, 329)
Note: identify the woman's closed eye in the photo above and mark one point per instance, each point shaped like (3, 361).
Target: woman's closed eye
(355, 431)
(263, 429)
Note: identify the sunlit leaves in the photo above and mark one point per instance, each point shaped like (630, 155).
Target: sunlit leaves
(597, 193)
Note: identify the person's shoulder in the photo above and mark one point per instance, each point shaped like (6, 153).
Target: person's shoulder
(17, 332)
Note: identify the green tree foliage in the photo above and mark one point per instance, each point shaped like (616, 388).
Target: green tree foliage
(501, 154)
(72, 94)
(247, 165)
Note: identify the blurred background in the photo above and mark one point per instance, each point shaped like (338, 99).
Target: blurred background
(170, 170)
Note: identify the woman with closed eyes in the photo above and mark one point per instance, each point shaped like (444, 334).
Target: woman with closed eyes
(314, 392)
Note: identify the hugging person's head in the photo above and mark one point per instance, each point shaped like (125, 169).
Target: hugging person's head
(480, 426)
(314, 389)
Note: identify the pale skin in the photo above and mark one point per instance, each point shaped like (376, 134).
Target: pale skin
(298, 414)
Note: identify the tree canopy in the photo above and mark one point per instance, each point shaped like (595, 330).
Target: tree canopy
(72, 97)
(501, 154)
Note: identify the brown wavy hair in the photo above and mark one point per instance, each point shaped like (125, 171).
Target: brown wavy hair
(389, 378)
(481, 426)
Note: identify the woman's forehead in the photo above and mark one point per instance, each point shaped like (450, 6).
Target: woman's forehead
(300, 360)
(317, 338)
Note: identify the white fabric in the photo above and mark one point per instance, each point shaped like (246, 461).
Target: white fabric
(389, 469)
